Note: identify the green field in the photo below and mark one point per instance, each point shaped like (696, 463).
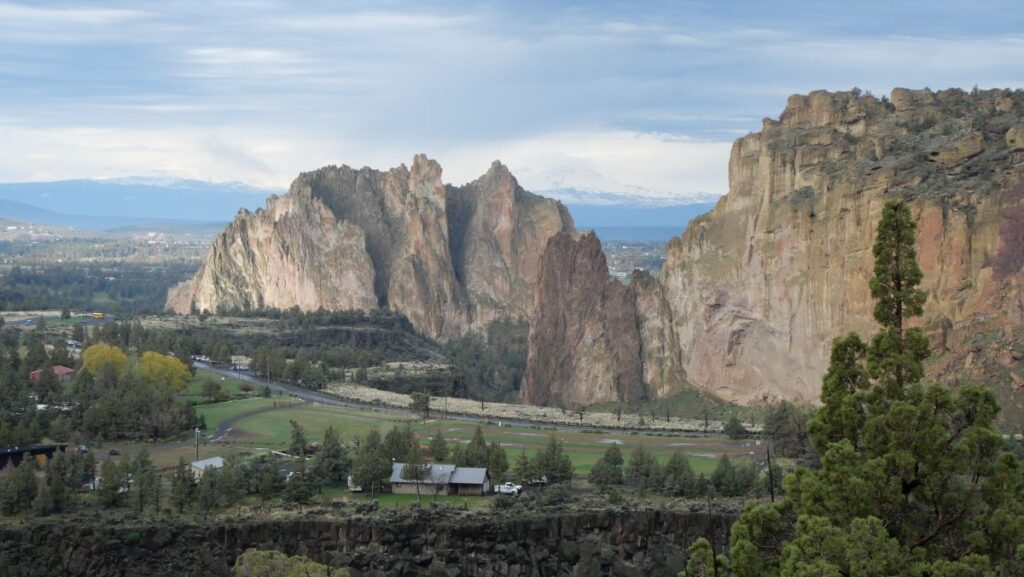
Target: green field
(194, 388)
(217, 412)
(271, 428)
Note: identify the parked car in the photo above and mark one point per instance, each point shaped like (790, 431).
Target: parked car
(508, 488)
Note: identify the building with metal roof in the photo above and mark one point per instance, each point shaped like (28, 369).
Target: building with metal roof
(203, 465)
(443, 479)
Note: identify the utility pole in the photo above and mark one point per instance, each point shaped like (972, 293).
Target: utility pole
(771, 475)
(197, 443)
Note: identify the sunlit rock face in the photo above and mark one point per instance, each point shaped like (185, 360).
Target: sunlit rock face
(452, 259)
(752, 293)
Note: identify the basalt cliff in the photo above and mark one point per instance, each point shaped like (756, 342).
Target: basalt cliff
(752, 294)
(451, 259)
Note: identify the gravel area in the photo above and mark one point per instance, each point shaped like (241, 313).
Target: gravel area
(514, 412)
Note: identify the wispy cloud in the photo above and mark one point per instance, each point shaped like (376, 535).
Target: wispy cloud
(377, 22)
(648, 92)
(65, 25)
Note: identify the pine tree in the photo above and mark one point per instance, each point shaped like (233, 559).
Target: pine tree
(415, 470)
(608, 469)
(439, 447)
(111, 484)
(679, 478)
(18, 490)
(183, 483)
(914, 478)
(643, 470)
(332, 463)
(734, 429)
(298, 443)
(524, 471)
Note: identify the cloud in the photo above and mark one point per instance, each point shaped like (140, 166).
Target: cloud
(664, 163)
(34, 24)
(378, 22)
(257, 91)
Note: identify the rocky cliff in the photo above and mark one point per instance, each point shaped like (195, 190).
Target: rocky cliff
(583, 544)
(752, 294)
(587, 346)
(451, 259)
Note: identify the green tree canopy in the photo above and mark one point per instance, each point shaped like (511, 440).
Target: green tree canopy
(914, 478)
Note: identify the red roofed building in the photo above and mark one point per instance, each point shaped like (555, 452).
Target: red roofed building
(63, 373)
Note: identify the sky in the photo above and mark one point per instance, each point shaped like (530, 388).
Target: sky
(650, 94)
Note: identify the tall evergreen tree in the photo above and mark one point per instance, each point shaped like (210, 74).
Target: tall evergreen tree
(914, 479)
(183, 484)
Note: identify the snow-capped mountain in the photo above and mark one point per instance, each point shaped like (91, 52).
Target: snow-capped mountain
(580, 185)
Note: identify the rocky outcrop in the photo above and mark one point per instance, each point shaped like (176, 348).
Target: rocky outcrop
(752, 294)
(584, 343)
(757, 289)
(451, 259)
(583, 544)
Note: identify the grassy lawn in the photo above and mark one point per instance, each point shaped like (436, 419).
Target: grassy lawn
(227, 384)
(217, 412)
(272, 429)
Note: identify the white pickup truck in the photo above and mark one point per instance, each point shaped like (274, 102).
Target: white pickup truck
(508, 489)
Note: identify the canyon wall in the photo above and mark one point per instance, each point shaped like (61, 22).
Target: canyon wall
(451, 259)
(753, 292)
(586, 348)
(581, 544)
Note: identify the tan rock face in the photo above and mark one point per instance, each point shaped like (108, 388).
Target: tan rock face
(752, 294)
(450, 259)
(281, 257)
(584, 344)
(757, 289)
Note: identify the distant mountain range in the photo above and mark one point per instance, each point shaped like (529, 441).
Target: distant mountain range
(617, 211)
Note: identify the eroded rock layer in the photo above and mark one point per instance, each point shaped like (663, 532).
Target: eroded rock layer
(451, 259)
(586, 345)
(752, 294)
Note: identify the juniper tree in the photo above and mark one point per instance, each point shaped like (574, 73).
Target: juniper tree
(914, 478)
(439, 447)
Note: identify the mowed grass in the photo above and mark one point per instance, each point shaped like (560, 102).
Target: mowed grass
(272, 429)
(227, 384)
(217, 412)
(586, 448)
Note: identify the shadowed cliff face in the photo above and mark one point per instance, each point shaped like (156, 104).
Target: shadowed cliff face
(450, 259)
(752, 294)
(584, 344)
(591, 544)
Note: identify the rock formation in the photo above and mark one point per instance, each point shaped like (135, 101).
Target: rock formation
(429, 543)
(451, 259)
(586, 346)
(752, 294)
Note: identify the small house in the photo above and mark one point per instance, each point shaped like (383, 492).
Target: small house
(63, 374)
(443, 479)
(199, 468)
